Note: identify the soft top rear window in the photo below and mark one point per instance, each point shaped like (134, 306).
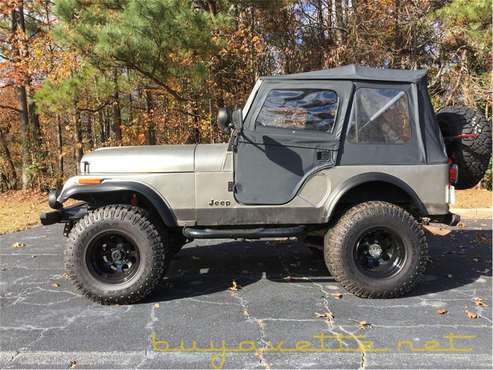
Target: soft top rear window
(379, 116)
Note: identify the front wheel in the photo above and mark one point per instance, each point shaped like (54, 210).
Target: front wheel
(376, 250)
(115, 255)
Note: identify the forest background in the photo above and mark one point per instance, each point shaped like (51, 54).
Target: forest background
(80, 74)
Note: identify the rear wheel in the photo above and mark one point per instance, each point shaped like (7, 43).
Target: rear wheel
(115, 255)
(468, 141)
(376, 250)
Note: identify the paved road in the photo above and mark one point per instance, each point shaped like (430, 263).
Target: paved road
(45, 323)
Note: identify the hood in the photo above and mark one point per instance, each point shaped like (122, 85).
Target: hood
(144, 159)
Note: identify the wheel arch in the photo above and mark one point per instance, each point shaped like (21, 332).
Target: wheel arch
(342, 193)
(112, 190)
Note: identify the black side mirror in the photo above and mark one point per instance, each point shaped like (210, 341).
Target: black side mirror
(237, 119)
(224, 119)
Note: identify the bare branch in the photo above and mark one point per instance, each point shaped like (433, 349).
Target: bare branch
(10, 108)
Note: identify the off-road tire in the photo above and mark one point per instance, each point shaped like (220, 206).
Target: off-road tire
(130, 221)
(471, 154)
(340, 243)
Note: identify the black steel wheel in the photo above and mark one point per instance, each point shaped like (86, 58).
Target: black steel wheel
(376, 250)
(112, 257)
(379, 253)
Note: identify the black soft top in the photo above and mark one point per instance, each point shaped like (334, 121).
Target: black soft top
(427, 145)
(356, 72)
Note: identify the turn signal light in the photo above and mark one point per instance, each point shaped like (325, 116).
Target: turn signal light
(90, 181)
(453, 174)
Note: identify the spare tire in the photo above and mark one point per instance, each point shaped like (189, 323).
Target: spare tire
(467, 136)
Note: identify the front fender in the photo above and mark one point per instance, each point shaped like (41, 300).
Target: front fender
(72, 189)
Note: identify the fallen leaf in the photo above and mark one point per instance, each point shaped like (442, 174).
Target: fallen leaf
(156, 305)
(364, 324)
(442, 311)
(18, 245)
(471, 315)
(72, 364)
(336, 295)
(483, 239)
(329, 316)
(235, 287)
(478, 301)
(55, 285)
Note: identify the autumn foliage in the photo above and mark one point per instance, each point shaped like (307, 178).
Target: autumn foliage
(76, 75)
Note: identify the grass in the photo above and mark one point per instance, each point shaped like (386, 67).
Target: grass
(21, 209)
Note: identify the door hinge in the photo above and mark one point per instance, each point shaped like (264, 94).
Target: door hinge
(231, 186)
(324, 155)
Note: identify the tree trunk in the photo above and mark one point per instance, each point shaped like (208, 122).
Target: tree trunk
(37, 150)
(196, 123)
(107, 124)
(78, 139)
(12, 184)
(102, 132)
(35, 126)
(60, 150)
(117, 115)
(339, 21)
(25, 139)
(151, 128)
(89, 131)
(329, 23)
(397, 35)
(321, 34)
(18, 21)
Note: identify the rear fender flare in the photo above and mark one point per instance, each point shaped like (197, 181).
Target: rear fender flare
(346, 186)
(152, 196)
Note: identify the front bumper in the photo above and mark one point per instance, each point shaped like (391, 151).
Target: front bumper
(67, 214)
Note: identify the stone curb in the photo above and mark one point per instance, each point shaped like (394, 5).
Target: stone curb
(482, 213)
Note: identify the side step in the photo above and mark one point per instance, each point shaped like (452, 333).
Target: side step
(246, 233)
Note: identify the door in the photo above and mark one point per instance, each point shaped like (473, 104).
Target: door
(291, 131)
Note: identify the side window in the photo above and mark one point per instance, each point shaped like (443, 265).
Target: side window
(379, 116)
(300, 109)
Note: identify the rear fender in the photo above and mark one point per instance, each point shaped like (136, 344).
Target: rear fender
(361, 179)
